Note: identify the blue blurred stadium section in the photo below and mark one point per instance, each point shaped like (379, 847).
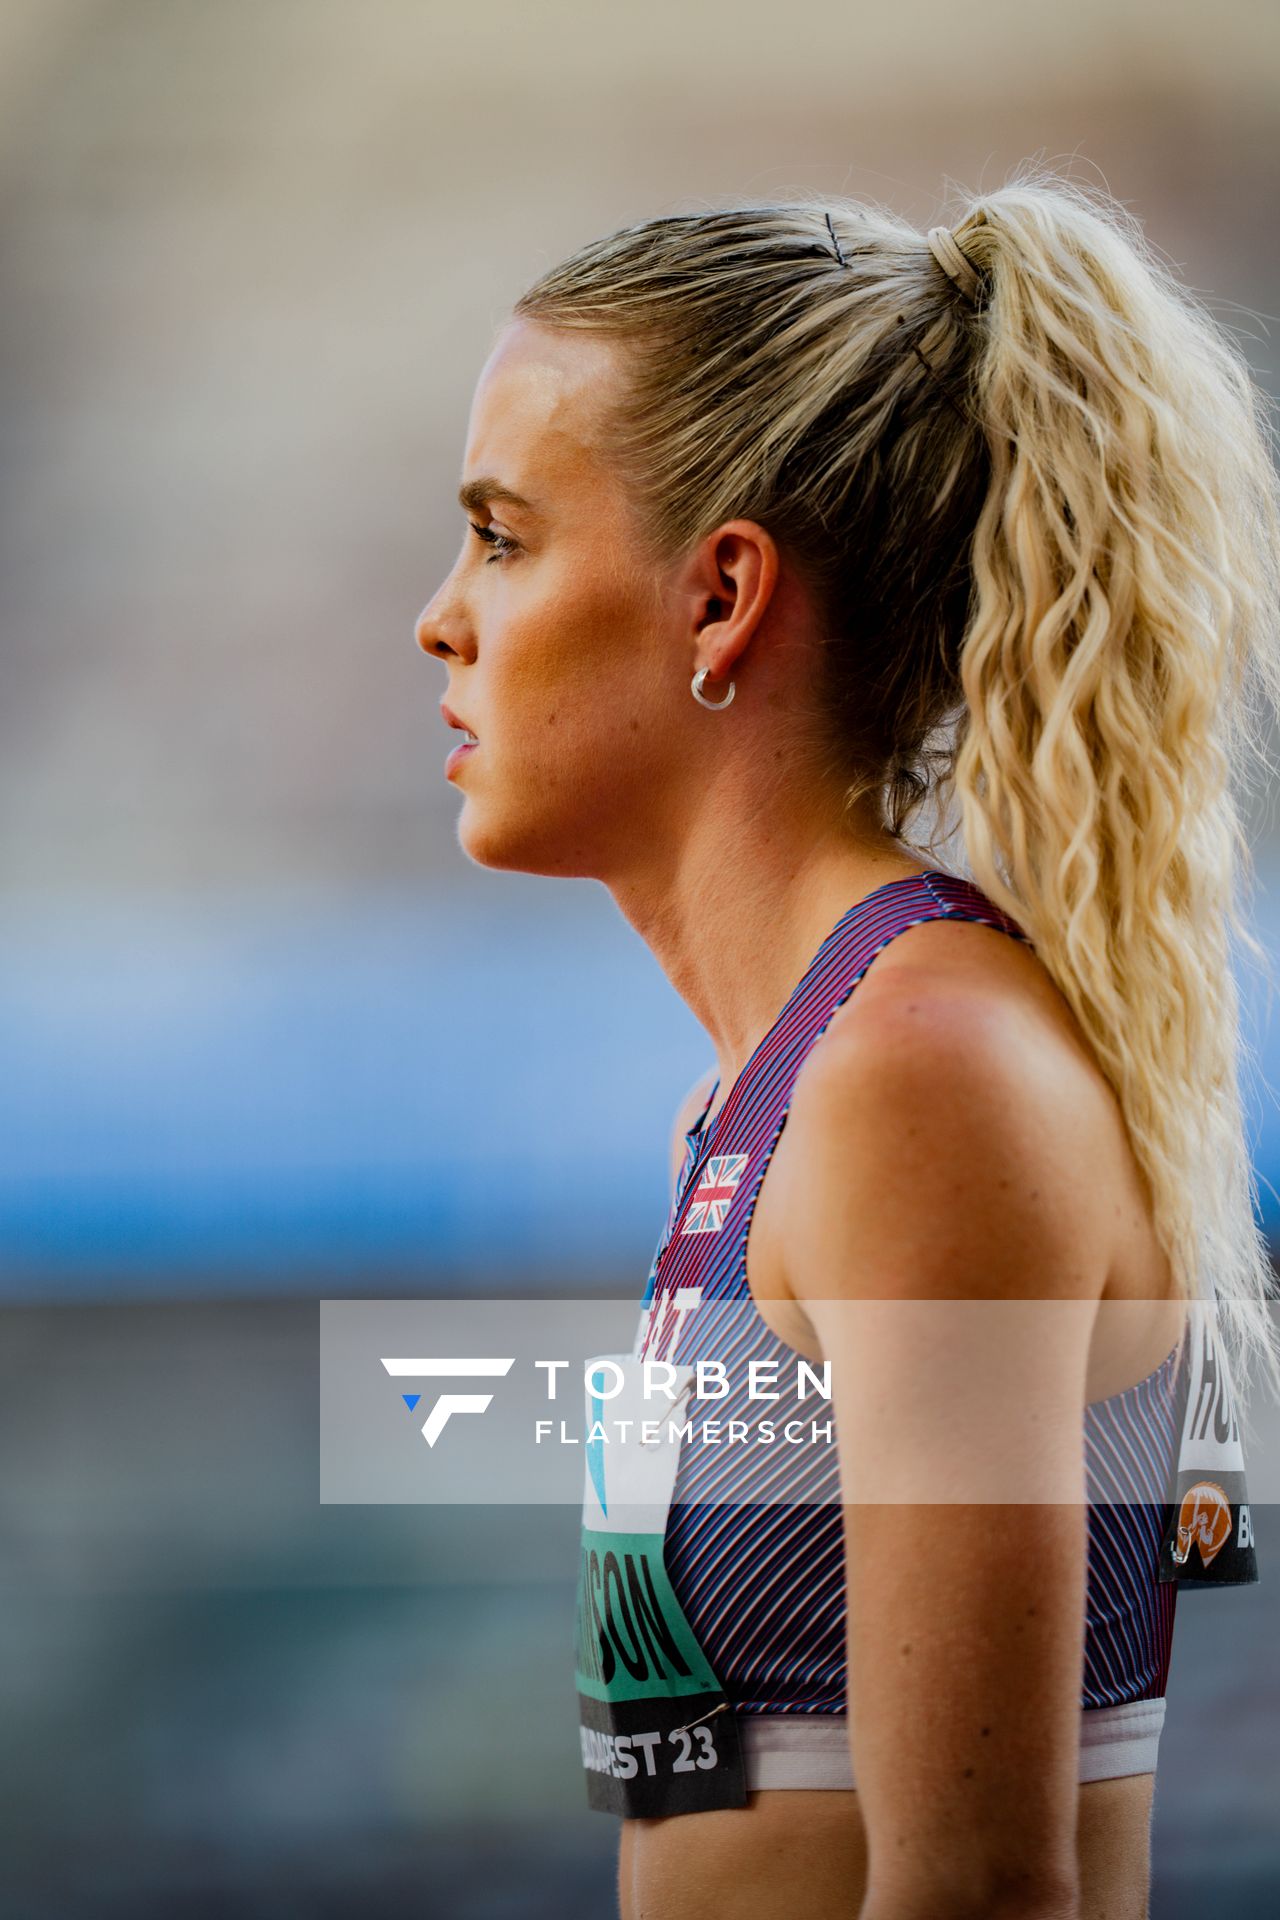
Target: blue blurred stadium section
(472, 1092)
(283, 1092)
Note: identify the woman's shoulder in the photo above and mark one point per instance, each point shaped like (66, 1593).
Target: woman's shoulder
(950, 998)
(949, 1109)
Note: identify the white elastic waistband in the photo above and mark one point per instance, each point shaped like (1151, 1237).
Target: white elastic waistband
(812, 1749)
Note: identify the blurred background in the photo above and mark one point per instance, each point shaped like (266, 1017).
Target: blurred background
(265, 1036)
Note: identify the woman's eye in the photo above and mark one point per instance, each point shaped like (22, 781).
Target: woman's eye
(498, 541)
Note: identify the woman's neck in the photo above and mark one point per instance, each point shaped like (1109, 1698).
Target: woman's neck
(738, 916)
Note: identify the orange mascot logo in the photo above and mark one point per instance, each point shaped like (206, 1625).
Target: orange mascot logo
(1205, 1518)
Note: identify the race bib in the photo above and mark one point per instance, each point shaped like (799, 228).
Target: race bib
(658, 1734)
(1208, 1535)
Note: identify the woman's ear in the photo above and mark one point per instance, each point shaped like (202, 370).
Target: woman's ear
(733, 575)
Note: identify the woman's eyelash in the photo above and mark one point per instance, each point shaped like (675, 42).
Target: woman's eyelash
(499, 541)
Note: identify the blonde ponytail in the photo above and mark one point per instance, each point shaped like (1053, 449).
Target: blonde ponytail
(1124, 623)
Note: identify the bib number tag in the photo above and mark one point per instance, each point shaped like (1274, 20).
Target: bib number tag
(658, 1734)
(1208, 1534)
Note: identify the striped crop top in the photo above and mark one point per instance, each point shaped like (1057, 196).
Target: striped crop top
(761, 1582)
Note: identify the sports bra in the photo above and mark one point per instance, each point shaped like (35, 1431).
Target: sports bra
(761, 1582)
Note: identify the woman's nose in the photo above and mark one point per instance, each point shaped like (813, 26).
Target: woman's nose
(439, 630)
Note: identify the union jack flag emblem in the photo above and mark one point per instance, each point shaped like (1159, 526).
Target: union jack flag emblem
(713, 1193)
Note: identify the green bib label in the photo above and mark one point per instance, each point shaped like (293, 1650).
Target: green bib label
(633, 1641)
(658, 1734)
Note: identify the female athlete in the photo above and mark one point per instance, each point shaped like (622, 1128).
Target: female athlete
(789, 524)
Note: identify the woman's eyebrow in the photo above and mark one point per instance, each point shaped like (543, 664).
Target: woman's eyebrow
(473, 495)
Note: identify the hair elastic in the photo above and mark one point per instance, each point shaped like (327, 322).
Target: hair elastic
(955, 263)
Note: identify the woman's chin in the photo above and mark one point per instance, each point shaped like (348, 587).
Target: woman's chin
(491, 842)
(518, 845)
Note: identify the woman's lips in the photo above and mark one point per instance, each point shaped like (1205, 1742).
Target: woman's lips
(457, 757)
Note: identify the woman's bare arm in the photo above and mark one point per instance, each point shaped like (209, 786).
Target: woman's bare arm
(939, 1157)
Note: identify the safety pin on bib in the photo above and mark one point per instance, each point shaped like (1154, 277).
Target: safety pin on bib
(710, 1714)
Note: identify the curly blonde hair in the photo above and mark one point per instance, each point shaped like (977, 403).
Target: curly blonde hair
(1042, 528)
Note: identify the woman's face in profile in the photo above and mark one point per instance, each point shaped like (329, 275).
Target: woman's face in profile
(567, 653)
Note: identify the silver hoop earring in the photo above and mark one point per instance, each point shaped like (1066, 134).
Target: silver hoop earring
(699, 681)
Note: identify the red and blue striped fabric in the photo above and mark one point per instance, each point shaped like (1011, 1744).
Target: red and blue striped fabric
(761, 1577)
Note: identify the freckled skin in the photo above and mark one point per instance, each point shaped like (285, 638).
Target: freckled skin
(565, 626)
(581, 623)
